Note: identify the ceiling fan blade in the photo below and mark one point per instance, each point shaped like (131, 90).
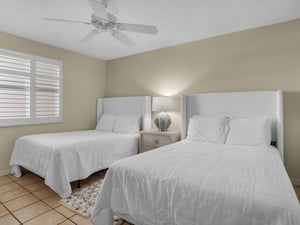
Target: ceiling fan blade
(105, 2)
(99, 9)
(113, 8)
(69, 21)
(89, 36)
(137, 28)
(112, 18)
(122, 38)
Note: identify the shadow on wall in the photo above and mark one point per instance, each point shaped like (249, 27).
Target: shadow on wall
(291, 105)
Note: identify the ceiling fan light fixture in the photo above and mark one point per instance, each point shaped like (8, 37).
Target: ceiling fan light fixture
(119, 26)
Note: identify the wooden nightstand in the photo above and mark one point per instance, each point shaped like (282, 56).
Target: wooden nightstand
(153, 139)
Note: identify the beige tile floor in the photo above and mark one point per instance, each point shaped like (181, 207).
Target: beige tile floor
(27, 200)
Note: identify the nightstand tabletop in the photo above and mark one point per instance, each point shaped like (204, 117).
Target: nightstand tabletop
(157, 132)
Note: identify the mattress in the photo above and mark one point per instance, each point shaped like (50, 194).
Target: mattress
(68, 156)
(199, 183)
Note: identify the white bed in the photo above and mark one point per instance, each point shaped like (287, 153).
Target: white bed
(64, 157)
(192, 182)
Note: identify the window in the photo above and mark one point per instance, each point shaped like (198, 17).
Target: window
(30, 89)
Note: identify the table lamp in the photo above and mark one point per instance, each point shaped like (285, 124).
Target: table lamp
(162, 105)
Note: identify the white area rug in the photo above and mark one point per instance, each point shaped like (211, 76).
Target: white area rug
(83, 200)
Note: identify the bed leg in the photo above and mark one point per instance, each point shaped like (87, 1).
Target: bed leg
(78, 184)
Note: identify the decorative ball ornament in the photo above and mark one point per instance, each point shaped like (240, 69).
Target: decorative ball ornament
(162, 121)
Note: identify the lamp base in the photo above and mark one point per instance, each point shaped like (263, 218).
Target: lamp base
(162, 121)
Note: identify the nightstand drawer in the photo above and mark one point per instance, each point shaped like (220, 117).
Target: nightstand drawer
(155, 140)
(145, 148)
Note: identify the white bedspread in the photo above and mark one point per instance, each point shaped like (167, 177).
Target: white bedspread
(64, 157)
(193, 183)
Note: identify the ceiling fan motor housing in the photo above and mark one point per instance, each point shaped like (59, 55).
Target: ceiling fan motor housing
(102, 24)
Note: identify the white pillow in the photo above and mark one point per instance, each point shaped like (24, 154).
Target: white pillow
(106, 122)
(127, 124)
(249, 131)
(208, 129)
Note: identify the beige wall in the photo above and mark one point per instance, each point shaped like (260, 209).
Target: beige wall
(259, 59)
(266, 58)
(83, 82)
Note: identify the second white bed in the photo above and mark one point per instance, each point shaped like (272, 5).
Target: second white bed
(64, 157)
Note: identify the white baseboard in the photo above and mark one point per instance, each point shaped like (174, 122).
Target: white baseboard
(295, 181)
(4, 172)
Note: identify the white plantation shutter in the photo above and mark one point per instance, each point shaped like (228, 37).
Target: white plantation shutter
(47, 90)
(30, 89)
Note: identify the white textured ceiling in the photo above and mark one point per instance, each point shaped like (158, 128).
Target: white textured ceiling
(178, 21)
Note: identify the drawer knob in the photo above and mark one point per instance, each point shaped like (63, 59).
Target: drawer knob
(156, 141)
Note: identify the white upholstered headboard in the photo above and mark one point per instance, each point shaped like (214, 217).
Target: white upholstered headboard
(127, 105)
(236, 104)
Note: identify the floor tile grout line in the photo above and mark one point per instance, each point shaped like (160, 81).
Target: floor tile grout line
(10, 189)
(52, 207)
(25, 206)
(32, 192)
(65, 221)
(42, 200)
(38, 200)
(29, 192)
(14, 198)
(37, 216)
(27, 184)
(10, 181)
(14, 189)
(11, 213)
(63, 214)
(5, 208)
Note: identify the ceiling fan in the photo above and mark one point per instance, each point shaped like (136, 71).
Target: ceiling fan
(107, 22)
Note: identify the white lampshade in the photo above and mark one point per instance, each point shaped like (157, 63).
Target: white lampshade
(165, 104)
